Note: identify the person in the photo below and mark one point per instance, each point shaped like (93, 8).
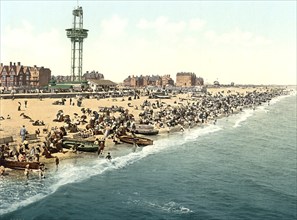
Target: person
(57, 162)
(25, 102)
(101, 146)
(96, 142)
(37, 132)
(27, 171)
(19, 107)
(108, 156)
(32, 153)
(22, 157)
(133, 128)
(8, 117)
(41, 171)
(116, 139)
(23, 133)
(2, 171)
(26, 144)
(135, 145)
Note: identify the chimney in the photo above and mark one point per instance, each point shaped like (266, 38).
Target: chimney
(10, 64)
(14, 64)
(19, 63)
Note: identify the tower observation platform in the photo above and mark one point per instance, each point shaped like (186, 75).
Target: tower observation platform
(77, 35)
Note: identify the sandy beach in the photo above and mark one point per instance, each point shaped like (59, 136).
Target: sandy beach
(45, 110)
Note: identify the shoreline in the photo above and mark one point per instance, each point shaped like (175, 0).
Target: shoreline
(11, 126)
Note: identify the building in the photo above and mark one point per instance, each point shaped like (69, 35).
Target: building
(143, 81)
(62, 79)
(40, 76)
(188, 79)
(199, 81)
(92, 75)
(16, 75)
(87, 76)
(101, 85)
(167, 80)
(185, 79)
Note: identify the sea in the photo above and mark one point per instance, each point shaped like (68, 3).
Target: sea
(242, 167)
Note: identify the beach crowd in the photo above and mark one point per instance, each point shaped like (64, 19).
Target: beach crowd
(112, 122)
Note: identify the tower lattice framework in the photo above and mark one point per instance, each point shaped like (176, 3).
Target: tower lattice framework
(77, 35)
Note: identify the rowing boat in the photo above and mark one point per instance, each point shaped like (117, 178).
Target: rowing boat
(146, 129)
(147, 132)
(140, 141)
(87, 147)
(18, 165)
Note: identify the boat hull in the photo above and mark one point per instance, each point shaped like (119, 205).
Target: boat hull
(84, 148)
(140, 141)
(147, 132)
(19, 165)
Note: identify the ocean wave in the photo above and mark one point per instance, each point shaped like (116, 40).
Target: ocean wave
(168, 207)
(84, 169)
(279, 98)
(243, 117)
(71, 173)
(198, 132)
(249, 112)
(171, 207)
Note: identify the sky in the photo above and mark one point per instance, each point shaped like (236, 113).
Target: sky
(245, 42)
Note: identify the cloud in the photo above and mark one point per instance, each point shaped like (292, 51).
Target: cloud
(24, 44)
(114, 27)
(196, 24)
(237, 37)
(162, 25)
(164, 30)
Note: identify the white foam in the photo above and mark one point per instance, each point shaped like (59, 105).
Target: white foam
(170, 207)
(71, 173)
(243, 117)
(278, 98)
(263, 108)
(14, 206)
(195, 133)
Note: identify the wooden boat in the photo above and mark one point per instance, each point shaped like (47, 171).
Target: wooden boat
(80, 144)
(147, 131)
(140, 141)
(18, 165)
(80, 140)
(162, 96)
(80, 147)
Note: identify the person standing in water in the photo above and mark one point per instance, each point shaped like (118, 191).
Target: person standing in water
(27, 171)
(41, 171)
(108, 156)
(57, 162)
(101, 146)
